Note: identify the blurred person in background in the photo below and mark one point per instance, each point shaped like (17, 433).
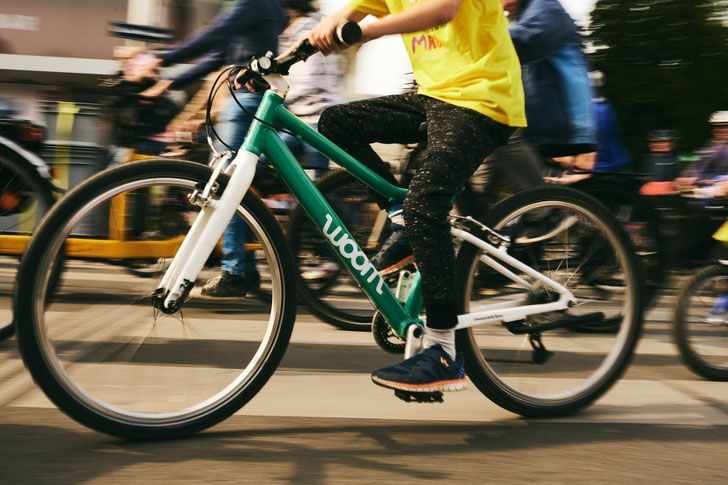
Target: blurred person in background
(555, 77)
(661, 162)
(558, 101)
(315, 84)
(244, 29)
(704, 181)
(611, 154)
(712, 165)
(662, 159)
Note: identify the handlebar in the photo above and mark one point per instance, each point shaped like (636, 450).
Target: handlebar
(346, 34)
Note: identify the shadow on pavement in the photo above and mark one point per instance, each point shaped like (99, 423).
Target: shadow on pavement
(323, 450)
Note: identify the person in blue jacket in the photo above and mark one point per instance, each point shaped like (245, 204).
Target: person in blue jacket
(558, 98)
(555, 77)
(611, 155)
(243, 29)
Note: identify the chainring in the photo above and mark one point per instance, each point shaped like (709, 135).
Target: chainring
(385, 337)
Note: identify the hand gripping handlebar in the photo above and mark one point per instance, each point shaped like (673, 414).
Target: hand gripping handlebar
(346, 34)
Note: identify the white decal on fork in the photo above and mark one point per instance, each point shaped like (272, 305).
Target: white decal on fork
(351, 251)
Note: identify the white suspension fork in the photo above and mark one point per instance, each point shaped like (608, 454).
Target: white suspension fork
(207, 230)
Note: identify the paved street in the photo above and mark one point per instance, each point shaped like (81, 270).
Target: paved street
(321, 420)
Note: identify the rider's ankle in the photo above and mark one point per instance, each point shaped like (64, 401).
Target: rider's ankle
(444, 338)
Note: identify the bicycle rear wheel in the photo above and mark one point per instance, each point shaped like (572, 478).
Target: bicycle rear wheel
(700, 323)
(572, 239)
(24, 198)
(104, 355)
(323, 283)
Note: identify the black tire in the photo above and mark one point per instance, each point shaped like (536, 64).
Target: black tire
(585, 245)
(19, 182)
(703, 343)
(352, 202)
(106, 357)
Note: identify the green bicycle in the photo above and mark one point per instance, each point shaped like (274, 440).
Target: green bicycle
(146, 359)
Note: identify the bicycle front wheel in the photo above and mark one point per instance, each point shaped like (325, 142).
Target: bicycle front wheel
(538, 367)
(97, 346)
(700, 323)
(24, 199)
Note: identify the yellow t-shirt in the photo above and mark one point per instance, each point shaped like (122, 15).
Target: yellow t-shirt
(468, 62)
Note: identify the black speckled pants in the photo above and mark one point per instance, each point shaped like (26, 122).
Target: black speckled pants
(458, 140)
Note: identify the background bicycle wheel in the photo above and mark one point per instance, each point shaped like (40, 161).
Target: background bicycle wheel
(700, 323)
(324, 285)
(24, 199)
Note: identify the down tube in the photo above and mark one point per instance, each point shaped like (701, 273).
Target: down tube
(326, 220)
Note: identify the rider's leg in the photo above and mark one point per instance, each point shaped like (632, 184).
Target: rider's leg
(459, 139)
(389, 119)
(445, 170)
(355, 126)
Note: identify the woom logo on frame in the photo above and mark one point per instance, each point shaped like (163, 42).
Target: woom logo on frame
(351, 251)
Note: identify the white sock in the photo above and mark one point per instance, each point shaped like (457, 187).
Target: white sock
(446, 339)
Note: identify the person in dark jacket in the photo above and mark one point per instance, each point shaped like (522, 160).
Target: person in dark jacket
(555, 78)
(244, 29)
(662, 159)
(558, 98)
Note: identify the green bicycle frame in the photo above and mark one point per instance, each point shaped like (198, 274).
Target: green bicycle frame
(263, 139)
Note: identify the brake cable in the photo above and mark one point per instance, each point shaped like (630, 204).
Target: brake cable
(231, 87)
(208, 118)
(231, 73)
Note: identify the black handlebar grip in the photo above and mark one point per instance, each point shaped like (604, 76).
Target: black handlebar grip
(347, 34)
(306, 50)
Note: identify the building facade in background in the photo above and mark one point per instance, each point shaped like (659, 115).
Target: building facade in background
(59, 50)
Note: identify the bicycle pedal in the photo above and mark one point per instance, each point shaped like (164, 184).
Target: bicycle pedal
(420, 397)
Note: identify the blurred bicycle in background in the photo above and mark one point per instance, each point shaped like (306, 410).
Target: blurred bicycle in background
(700, 318)
(26, 193)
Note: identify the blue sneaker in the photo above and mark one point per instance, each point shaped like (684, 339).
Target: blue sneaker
(395, 253)
(431, 370)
